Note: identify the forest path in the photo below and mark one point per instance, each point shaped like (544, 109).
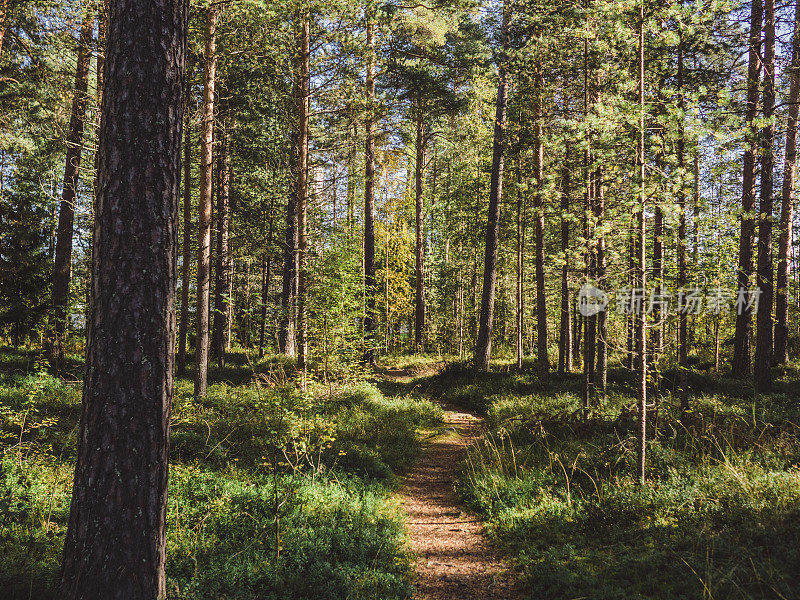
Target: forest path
(454, 559)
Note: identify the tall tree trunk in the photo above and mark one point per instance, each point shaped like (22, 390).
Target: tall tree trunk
(630, 326)
(683, 322)
(565, 333)
(589, 322)
(690, 329)
(520, 300)
(115, 543)
(781, 354)
(419, 253)
(351, 177)
(222, 281)
(102, 35)
(763, 355)
(642, 267)
(601, 371)
(302, 105)
(483, 347)
(287, 330)
(741, 345)
(370, 286)
(186, 269)
(62, 269)
(204, 207)
(267, 276)
(542, 360)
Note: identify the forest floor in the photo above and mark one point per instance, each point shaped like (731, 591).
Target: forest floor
(454, 557)
(426, 479)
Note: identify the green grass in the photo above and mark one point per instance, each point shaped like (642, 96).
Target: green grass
(719, 517)
(273, 493)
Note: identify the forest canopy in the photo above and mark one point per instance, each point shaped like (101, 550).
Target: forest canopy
(591, 200)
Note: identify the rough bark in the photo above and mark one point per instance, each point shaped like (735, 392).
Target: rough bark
(483, 347)
(62, 268)
(204, 207)
(542, 360)
(370, 287)
(590, 322)
(186, 269)
(419, 250)
(781, 351)
(641, 331)
(762, 360)
(520, 299)
(266, 276)
(302, 107)
(222, 283)
(115, 542)
(287, 330)
(601, 370)
(565, 333)
(741, 345)
(683, 321)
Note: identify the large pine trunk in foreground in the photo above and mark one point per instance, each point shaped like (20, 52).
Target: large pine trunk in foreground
(483, 347)
(741, 344)
(115, 543)
(781, 354)
(62, 269)
(762, 360)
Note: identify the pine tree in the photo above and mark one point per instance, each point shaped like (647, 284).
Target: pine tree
(115, 542)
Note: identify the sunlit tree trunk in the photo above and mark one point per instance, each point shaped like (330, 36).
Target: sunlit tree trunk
(683, 322)
(781, 354)
(601, 371)
(763, 354)
(641, 331)
(266, 276)
(369, 200)
(302, 106)
(542, 360)
(62, 269)
(419, 250)
(222, 281)
(205, 208)
(520, 272)
(187, 237)
(483, 347)
(589, 322)
(565, 332)
(741, 346)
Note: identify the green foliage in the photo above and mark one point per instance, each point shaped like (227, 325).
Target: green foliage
(273, 493)
(718, 518)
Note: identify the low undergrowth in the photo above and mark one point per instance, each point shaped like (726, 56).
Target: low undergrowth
(273, 493)
(718, 518)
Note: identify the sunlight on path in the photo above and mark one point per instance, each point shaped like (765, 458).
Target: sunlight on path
(454, 558)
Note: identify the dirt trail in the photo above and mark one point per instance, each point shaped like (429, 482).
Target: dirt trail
(455, 560)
